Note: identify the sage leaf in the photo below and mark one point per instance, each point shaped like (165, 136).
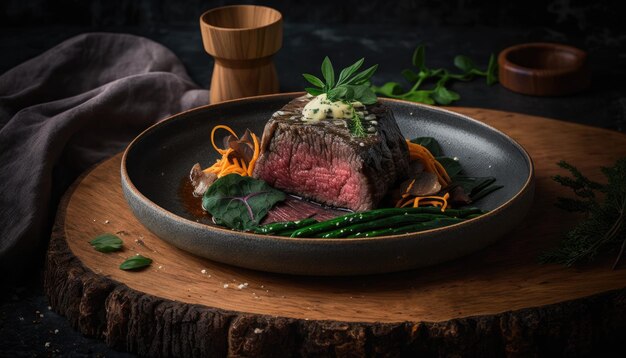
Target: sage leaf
(313, 80)
(349, 71)
(367, 96)
(314, 91)
(240, 202)
(328, 72)
(135, 263)
(106, 243)
(362, 77)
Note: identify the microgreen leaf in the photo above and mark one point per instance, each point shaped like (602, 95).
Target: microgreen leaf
(419, 57)
(135, 263)
(492, 70)
(349, 71)
(240, 202)
(444, 96)
(313, 80)
(328, 72)
(419, 96)
(439, 94)
(410, 76)
(106, 243)
(389, 89)
(464, 63)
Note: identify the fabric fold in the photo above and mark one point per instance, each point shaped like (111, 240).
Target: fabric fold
(67, 109)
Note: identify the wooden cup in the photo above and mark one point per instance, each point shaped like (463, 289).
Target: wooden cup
(242, 39)
(544, 69)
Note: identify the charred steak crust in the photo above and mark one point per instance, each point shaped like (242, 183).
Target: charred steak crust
(325, 163)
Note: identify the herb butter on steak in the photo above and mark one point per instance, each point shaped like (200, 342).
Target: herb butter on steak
(324, 161)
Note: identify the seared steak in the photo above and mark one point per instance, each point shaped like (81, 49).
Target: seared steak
(324, 162)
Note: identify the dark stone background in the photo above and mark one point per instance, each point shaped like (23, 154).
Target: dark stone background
(385, 32)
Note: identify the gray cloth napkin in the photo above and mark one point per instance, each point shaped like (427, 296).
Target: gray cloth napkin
(67, 109)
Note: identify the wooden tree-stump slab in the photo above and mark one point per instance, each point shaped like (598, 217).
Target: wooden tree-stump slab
(499, 301)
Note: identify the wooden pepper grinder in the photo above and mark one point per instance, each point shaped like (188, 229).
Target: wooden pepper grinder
(242, 39)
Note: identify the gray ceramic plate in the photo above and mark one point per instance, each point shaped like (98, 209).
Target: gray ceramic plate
(157, 161)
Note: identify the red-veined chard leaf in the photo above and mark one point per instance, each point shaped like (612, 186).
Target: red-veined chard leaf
(240, 202)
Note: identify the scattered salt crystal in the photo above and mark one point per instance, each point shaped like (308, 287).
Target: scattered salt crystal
(56, 331)
(209, 275)
(362, 144)
(410, 113)
(225, 285)
(37, 312)
(241, 286)
(490, 166)
(258, 330)
(456, 158)
(160, 267)
(41, 315)
(262, 286)
(49, 308)
(106, 221)
(203, 271)
(47, 345)
(21, 318)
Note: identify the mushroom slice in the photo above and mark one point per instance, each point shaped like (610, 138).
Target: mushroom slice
(200, 180)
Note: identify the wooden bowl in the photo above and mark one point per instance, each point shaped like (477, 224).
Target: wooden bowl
(242, 39)
(544, 69)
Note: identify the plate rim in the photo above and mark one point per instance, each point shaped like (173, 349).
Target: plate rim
(528, 184)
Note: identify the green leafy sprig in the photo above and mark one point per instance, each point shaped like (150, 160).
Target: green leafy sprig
(439, 94)
(604, 229)
(349, 86)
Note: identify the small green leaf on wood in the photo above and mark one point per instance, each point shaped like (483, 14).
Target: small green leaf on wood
(106, 243)
(136, 262)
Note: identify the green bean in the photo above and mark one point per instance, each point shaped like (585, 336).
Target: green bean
(381, 223)
(355, 218)
(276, 227)
(433, 224)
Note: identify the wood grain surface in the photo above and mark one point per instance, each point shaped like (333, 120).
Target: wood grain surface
(496, 301)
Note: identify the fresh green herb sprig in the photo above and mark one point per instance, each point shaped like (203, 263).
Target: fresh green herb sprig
(604, 229)
(438, 94)
(349, 86)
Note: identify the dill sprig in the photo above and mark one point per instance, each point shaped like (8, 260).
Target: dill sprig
(604, 229)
